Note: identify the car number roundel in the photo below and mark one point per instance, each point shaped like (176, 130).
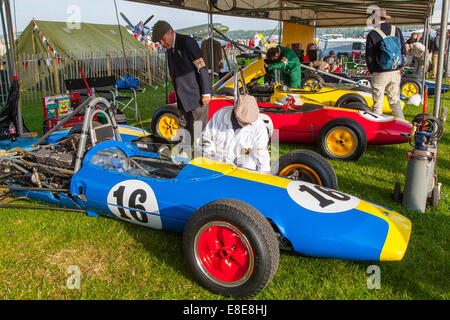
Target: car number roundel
(130, 200)
(320, 199)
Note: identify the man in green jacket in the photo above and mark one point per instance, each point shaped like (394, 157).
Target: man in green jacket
(285, 59)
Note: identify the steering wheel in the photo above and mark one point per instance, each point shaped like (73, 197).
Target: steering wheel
(289, 105)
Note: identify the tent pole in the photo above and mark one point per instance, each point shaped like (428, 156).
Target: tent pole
(280, 24)
(440, 69)
(12, 54)
(10, 35)
(8, 51)
(211, 44)
(426, 38)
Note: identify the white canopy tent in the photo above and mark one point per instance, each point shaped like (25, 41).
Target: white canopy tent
(323, 13)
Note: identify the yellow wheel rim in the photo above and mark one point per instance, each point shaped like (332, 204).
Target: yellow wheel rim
(301, 172)
(410, 89)
(168, 126)
(341, 141)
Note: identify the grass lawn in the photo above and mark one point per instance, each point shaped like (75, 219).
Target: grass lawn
(123, 261)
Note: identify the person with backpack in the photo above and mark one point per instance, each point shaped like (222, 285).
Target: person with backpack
(385, 57)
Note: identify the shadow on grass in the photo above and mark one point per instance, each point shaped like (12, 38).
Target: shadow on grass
(165, 246)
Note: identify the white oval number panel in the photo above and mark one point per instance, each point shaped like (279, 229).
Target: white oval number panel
(320, 199)
(130, 199)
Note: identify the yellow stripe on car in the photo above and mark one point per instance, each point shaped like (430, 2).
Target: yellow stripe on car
(232, 171)
(398, 233)
(132, 132)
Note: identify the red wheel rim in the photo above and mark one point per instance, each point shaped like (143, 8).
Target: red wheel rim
(224, 253)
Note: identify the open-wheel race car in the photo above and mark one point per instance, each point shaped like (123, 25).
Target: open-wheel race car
(231, 235)
(341, 133)
(313, 89)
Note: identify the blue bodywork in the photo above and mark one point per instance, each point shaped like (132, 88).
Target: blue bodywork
(104, 186)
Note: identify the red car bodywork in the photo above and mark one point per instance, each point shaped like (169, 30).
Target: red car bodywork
(302, 124)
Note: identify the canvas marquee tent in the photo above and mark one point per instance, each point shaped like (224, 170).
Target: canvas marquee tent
(45, 36)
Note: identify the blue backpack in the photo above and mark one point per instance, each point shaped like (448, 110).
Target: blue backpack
(390, 51)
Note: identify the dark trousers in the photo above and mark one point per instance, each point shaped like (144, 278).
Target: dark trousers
(194, 122)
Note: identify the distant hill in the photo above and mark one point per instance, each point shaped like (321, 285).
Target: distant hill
(346, 32)
(247, 34)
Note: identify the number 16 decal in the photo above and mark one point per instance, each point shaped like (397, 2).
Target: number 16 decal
(320, 199)
(131, 199)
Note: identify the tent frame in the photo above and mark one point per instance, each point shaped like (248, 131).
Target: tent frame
(8, 34)
(324, 13)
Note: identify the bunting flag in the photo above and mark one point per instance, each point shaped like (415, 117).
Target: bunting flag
(44, 40)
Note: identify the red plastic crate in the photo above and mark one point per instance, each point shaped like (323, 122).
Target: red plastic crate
(50, 123)
(52, 114)
(52, 110)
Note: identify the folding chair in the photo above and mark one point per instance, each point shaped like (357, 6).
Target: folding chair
(104, 87)
(126, 84)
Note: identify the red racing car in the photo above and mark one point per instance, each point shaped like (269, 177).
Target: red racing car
(341, 133)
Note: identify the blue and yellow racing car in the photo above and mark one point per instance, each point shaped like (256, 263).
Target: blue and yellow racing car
(231, 234)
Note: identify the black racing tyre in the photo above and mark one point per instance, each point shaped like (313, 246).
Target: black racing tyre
(306, 165)
(358, 106)
(165, 122)
(410, 86)
(313, 82)
(342, 139)
(348, 98)
(231, 248)
(226, 91)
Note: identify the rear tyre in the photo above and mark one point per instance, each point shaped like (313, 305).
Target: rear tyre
(350, 98)
(410, 87)
(306, 165)
(342, 139)
(231, 248)
(165, 122)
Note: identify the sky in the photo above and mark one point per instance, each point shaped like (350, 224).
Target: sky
(103, 12)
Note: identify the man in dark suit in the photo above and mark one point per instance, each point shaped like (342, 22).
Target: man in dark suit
(189, 77)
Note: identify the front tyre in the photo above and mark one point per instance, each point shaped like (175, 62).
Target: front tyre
(306, 165)
(165, 122)
(342, 139)
(231, 248)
